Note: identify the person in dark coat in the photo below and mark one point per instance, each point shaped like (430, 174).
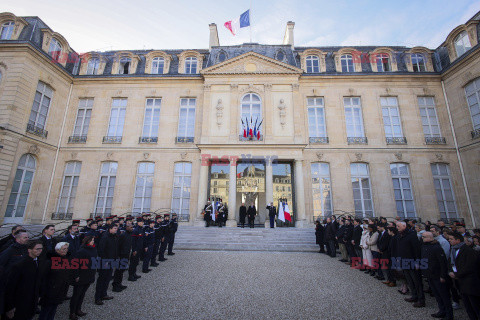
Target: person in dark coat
(158, 239)
(383, 244)
(7, 241)
(243, 214)
(16, 252)
(221, 216)
(107, 249)
(251, 213)
(272, 211)
(436, 273)
(55, 284)
(23, 284)
(339, 238)
(390, 252)
(48, 241)
(207, 216)
(165, 231)
(347, 240)
(356, 237)
(173, 230)
(148, 246)
(464, 269)
(137, 248)
(124, 249)
(409, 250)
(319, 235)
(73, 239)
(330, 232)
(82, 277)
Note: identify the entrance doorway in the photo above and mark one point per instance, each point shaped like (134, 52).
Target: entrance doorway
(251, 188)
(283, 193)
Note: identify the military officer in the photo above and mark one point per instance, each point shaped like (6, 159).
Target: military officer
(208, 213)
(137, 248)
(165, 233)
(148, 246)
(158, 239)
(272, 211)
(173, 230)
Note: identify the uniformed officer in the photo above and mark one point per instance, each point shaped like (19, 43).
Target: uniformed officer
(124, 250)
(165, 232)
(100, 228)
(221, 215)
(148, 246)
(272, 211)
(137, 248)
(208, 213)
(173, 230)
(83, 231)
(158, 240)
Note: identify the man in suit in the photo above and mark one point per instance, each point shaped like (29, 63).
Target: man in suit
(251, 213)
(464, 269)
(243, 214)
(383, 244)
(48, 241)
(272, 211)
(73, 240)
(10, 239)
(357, 236)
(330, 231)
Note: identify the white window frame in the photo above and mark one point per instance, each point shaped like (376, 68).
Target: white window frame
(440, 181)
(108, 170)
(317, 106)
(92, 66)
(151, 119)
(191, 65)
(184, 185)
(428, 116)
(418, 62)
(158, 65)
(470, 95)
(188, 105)
(118, 104)
(310, 62)
(249, 103)
(84, 114)
(27, 163)
(401, 177)
(462, 43)
(145, 173)
(380, 61)
(391, 117)
(45, 91)
(346, 60)
(357, 177)
(351, 105)
(321, 172)
(72, 173)
(55, 49)
(7, 30)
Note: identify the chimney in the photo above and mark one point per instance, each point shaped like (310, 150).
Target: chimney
(213, 36)
(288, 38)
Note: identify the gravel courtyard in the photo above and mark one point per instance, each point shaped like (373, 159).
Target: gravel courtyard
(254, 285)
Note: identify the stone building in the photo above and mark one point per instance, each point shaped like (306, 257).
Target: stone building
(363, 130)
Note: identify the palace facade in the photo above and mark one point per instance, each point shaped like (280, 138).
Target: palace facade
(363, 130)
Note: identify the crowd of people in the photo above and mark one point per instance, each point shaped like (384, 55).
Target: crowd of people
(439, 259)
(36, 274)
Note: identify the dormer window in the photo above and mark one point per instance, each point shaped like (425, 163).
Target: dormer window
(383, 62)
(313, 64)
(93, 65)
(347, 63)
(418, 62)
(221, 57)
(55, 49)
(280, 55)
(124, 66)
(191, 65)
(7, 30)
(462, 43)
(158, 64)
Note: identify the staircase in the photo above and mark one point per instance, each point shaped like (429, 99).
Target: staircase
(246, 239)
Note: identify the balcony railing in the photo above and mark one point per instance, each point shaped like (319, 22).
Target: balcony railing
(147, 139)
(357, 140)
(112, 139)
(62, 215)
(318, 140)
(77, 139)
(475, 133)
(183, 217)
(396, 140)
(435, 140)
(184, 140)
(249, 138)
(37, 131)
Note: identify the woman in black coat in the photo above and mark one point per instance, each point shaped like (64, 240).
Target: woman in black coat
(319, 235)
(82, 278)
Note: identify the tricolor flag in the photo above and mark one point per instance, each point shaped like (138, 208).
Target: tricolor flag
(281, 213)
(241, 22)
(214, 208)
(287, 213)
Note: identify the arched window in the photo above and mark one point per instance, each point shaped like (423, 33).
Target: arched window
(158, 64)
(7, 30)
(106, 187)
(251, 114)
(21, 187)
(313, 64)
(143, 187)
(67, 195)
(402, 189)
(383, 62)
(347, 63)
(181, 189)
(92, 66)
(472, 92)
(362, 190)
(462, 43)
(55, 49)
(444, 190)
(418, 62)
(221, 56)
(191, 65)
(322, 190)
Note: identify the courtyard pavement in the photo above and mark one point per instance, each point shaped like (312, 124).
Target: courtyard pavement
(254, 285)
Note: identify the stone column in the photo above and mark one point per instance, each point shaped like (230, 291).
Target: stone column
(268, 187)
(299, 195)
(202, 190)
(232, 194)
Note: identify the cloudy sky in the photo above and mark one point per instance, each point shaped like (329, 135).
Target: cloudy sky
(148, 24)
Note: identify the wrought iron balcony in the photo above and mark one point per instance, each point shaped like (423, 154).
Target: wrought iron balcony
(357, 140)
(435, 140)
(62, 216)
(318, 140)
(249, 138)
(184, 140)
(396, 140)
(37, 131)
(183, 217)
(147, 139)
(77, 139)
(112, 139)
(475, 133)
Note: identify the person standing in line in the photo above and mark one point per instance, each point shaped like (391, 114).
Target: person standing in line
(73, 240)
(243, 214)
(173, 230)
(10, 239)
(48, 241)
(124, 250)
(148, 246)
(158, 239)
(272, 211)
(319, 236)
(251, 213)
(107, 249)
(165, 234)
(137, 248)
(207, 216)
(357, 237)
(330, 232)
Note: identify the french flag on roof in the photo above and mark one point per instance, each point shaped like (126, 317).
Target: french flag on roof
(241, 22)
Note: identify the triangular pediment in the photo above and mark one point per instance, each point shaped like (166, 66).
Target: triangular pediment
(251, 63)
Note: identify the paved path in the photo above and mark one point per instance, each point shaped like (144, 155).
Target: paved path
(254, 285)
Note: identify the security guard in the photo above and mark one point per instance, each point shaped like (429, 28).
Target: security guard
(173, 230)
(164, 226)
(148, 246)
(137, 248)
(158, 239)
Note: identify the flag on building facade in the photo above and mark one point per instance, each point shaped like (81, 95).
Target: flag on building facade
(240, 22)
(281, 213)
(286, 212)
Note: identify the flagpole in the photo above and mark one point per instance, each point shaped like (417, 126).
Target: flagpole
(250, 20)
